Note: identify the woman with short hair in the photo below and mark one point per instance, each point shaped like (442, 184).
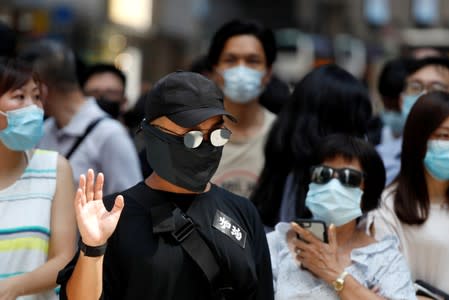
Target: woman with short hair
(345, 185)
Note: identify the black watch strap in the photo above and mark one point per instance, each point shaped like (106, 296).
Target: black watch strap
(92, 251)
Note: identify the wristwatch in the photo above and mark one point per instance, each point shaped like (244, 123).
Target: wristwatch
(339, 283)
(92, 251)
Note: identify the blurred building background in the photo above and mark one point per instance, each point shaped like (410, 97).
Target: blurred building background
(149, 38)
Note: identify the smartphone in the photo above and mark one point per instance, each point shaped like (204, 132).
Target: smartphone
(316, 227)
(424, 289)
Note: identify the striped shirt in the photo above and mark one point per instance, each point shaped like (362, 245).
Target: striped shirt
(25, 208)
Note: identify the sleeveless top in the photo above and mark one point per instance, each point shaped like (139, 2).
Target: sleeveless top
(25, 209)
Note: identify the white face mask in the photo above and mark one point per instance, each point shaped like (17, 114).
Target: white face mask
(242, 84)
(334, 203)
(407, 103)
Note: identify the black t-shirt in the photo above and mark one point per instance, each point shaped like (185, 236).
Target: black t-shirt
(142, 264)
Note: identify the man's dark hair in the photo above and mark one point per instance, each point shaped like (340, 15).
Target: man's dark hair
(240, 27)
(417, 64)
(392, 82)
(392, 78)
(100, 69)
(412, 202)
(55, 64)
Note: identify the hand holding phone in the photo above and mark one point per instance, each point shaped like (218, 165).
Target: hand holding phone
(319, 258)
(316, 227)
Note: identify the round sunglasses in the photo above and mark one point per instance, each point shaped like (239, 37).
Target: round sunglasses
(192, 139)
(348, 177)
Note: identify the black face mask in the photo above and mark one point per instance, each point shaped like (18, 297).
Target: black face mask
(170, 159)
(109, 106)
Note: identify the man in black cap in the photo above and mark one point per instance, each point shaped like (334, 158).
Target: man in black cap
(174, 235)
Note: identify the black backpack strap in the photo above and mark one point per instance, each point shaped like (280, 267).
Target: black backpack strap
(187, 235)
(170, 220)
(81, 138)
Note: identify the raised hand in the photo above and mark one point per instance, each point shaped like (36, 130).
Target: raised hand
(319, 258)
(96, 224)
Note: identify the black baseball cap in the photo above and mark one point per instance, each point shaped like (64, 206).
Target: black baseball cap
(186, 98)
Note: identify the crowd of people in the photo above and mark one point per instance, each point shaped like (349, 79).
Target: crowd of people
(211, 197)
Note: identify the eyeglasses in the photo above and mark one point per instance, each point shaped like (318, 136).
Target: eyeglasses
(348, 177)
(416, 87)
(192, 139)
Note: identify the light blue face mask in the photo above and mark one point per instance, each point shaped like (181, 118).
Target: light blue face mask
(436, 160)
(25, 128)
(242, 84)
(334, 203)
(407, 103)
(395, 120)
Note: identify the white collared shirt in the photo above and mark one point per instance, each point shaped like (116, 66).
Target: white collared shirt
(108, 148)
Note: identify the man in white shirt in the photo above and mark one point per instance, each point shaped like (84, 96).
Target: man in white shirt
(76, 126)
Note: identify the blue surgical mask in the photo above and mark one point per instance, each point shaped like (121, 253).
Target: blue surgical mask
(436, 160)
(242, 84)
(395, 120)
(334, 203)
(407, 103)
(25, 128)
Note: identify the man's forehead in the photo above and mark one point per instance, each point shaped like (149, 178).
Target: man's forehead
(431, 73)
(104, 79)
(165, 121)
(244, 44)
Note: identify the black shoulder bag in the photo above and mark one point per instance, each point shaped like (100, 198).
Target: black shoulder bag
(186, 234)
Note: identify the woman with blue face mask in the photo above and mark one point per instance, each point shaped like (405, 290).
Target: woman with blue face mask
(351, 264)
(415, 207)
(37, 220)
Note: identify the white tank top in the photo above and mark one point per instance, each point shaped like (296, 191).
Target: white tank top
(25, 209)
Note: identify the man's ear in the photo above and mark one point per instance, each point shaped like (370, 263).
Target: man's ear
(267, 77)
(215, 76)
